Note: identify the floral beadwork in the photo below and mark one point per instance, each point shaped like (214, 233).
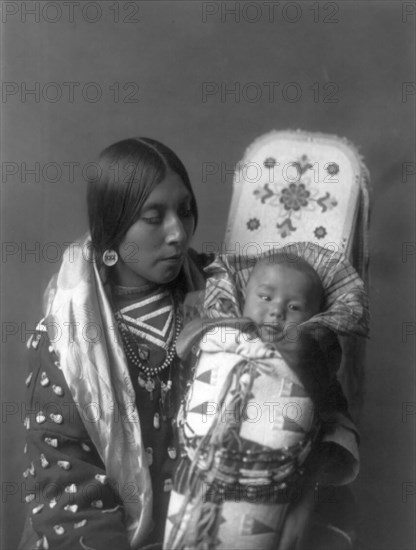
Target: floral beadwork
(285, 228)
(253, 224)
(332, 168)
(327, 202)
(303, 164)
(264, 193)
(320, 232)
(270, 162)
(293, 198)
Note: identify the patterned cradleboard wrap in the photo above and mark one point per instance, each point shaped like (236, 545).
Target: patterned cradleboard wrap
(247, 427)
(247, 424)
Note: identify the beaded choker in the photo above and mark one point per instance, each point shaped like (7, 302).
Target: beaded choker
(120, 290)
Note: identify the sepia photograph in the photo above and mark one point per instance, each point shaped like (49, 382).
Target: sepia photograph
(208, 248)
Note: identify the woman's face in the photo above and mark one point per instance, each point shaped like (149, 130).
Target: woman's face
(154, 247)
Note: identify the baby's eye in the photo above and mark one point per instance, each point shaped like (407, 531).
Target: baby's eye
(294, 307)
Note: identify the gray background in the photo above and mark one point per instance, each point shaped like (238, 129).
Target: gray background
(169, 53)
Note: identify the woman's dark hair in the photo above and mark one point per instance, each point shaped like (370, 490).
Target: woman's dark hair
(128, 172)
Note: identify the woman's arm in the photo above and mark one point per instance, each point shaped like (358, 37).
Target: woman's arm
(315, 361)
(71, 502)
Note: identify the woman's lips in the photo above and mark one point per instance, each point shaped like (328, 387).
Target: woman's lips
(173, 259)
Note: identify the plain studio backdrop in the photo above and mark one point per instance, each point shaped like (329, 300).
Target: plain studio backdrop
(202, 77)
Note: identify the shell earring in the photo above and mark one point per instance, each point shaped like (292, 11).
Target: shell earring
(110, 258)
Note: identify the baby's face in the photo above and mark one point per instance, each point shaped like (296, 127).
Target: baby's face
(278, 296)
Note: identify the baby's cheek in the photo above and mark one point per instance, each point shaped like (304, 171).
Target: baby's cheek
(299, 317)
(254, 314)
(249, 309)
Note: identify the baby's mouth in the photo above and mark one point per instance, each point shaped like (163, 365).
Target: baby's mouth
(271, 332)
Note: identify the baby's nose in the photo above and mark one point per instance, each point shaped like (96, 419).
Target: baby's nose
(276, 312)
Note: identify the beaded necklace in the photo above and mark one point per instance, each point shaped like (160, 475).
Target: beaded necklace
(148, 375)
(134, 357)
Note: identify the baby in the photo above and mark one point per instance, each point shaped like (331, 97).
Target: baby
(281, 295)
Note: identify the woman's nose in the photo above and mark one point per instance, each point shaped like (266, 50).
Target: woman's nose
(175, 232)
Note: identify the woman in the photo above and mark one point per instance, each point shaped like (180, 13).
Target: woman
(104, 380)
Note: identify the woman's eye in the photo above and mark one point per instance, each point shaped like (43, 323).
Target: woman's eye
(152, 216)
(152, 220)
(264, 297)
(186, 213)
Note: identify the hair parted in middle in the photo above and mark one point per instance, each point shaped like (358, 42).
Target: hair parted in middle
(128, 172)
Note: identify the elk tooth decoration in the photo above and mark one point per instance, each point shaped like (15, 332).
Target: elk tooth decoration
(43, 462)
(35, 341)
(101, 478)
(37, 509)
(57, 418)
(80, 524)
(57, 390)
(40, 418)
(44, 380)
(71, 508)
(42, 543)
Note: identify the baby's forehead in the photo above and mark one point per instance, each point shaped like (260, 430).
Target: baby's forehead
(265, 267)
(275, 271)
